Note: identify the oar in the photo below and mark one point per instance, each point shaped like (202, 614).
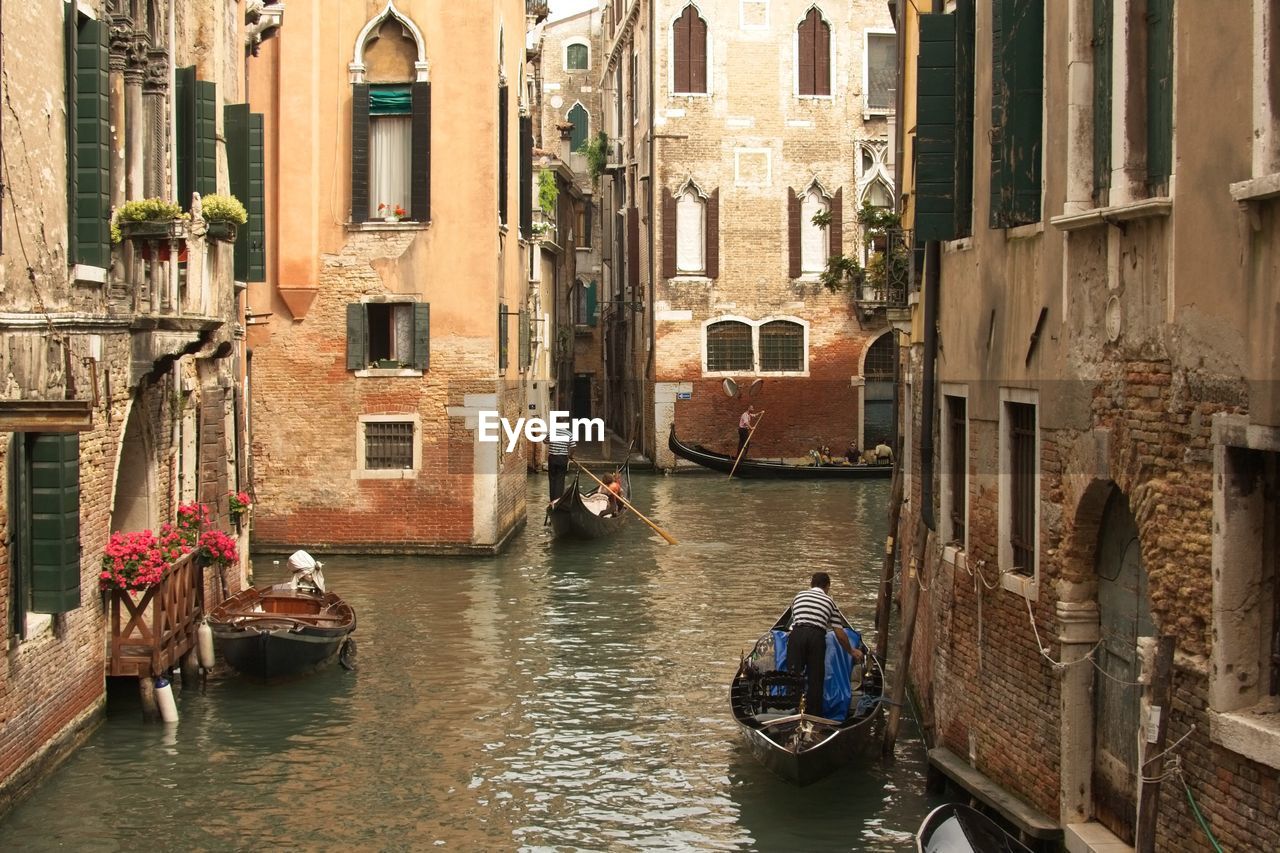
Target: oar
(745, 445)
(664, 534)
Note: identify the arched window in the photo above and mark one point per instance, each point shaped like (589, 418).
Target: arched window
(691, 222)
(729, 346)
(813, 54)
(578, 136)
(781, 346)
(877, 392)
(576, 57)
(813, 238)
(689, 35)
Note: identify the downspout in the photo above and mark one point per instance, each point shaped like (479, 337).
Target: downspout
(928, 397)
(651, 356)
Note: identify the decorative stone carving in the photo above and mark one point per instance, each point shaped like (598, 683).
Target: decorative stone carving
(156, 81)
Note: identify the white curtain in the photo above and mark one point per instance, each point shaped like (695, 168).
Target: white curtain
(402, 346)
(390, 160)
(813, 239)
(689, 233)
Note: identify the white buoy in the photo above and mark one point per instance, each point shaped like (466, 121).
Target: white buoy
(204, 645)
(164, 699)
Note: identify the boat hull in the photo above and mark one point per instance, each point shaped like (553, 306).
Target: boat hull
(570, 518)
(836, 747)
(272, 632)
(762, 470)
(270, 655)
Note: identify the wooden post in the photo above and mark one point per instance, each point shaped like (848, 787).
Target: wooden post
(910, 604)
(884, 606)
(1153, 767)
(190, 668)
(147, 692)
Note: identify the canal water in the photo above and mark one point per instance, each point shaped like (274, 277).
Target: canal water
(561, 696)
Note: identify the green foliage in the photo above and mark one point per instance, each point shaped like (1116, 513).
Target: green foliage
(842, 273)
(144, 210)
(876, 220)
(886, 267)
(596, 151)
(822, 218)
(548, 192)
(223, 208)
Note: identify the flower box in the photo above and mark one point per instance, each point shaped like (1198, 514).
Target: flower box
(221, 229)
(151, 230)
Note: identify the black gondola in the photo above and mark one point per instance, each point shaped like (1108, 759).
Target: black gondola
(589, 516)
(762, 469)
(956, 828)
(270, 632)
(803, 747)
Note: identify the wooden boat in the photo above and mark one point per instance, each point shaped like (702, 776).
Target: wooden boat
(270, 632)
(764, 469)
(956, 828)
(803, 747)
(586, 516)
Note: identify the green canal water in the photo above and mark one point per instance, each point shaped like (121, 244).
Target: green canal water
(561, 696)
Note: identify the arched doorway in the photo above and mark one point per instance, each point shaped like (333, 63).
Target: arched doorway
(877, 392)
(132, 509)
(1124, 615)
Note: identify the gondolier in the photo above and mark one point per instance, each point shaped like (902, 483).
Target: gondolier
(745, 423)
(813, 613)
(559, 452)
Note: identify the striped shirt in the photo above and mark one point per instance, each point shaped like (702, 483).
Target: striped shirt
(813, 607)
(560, 448)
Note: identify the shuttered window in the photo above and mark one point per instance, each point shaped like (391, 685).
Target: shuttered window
(503, 149)
(781, 346)
(1103, 25)
(526, 178)
(388, 334)
(729, 346)
(936, 128)
(578, 136)
(882, 71)
(244, 145)
(45, 524)
(576, 57)
(1022, 483)
(585, 309)
(391, 150)
(690, 235)
(813, 55)
(813, 238)
(1017, 97)
(503, 333)
(196, 135)
(965, 47)
(1159, 93)
(526, 340)
(689, 34)
(88, 141)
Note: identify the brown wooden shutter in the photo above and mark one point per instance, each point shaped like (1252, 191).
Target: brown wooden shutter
(633, 249)
(697, 54)
(681, 41)
(503, 143)
(821, 57)
(668, 235)
(420, 180)
(805, 53)
(835, 230)
(793, 233)
(712, 250)
(360, 152)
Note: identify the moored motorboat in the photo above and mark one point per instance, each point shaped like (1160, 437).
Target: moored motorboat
(283, 630)
(590, 515)
(799, 745)
(765, 469)
(957, 828)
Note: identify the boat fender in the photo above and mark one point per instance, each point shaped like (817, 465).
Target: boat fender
(347, 655)
(204, 645)
(164, 699)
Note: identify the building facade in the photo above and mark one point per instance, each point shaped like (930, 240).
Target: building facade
(1092, 421)
(395, 274)
(122, 356)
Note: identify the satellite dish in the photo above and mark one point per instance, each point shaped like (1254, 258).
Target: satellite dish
(754, 388)
(730, 387)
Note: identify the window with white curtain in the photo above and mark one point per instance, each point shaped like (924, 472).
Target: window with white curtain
(691, 232)
(813, 238)
(390, 151)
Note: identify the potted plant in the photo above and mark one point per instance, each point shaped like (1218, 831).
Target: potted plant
(223, 215)
(391, 212)
(148, 219)
(385, 364)
(239, 503)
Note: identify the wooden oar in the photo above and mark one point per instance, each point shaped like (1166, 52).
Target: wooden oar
(664, 534)
(746, 444)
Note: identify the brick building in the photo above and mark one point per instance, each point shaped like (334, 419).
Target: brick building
(122, 365)
(1093, 431)
(395, 278)
(734, 124)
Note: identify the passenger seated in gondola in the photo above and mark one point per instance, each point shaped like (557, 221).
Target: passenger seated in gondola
(853, 455)
(613, 487)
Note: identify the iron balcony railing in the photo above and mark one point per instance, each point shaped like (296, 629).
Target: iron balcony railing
(890, 269)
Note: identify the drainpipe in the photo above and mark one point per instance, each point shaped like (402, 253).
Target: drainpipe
(653, 183)
(932, 259)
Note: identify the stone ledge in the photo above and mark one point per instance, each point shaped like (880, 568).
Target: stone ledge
(1026, 818)
(1092, 837)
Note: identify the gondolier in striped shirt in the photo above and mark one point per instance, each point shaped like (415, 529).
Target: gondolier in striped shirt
(559, 452)
(813, 613)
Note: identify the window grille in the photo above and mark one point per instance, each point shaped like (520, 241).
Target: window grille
(959, 451)
(1022, 459)
(729, 346)
(781, 346)
(388, 445)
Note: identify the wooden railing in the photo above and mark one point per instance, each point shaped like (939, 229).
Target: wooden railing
(151, 634)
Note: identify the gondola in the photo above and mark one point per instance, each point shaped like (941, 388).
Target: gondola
(578, 515)
(956, 828)
(762, 469)
(284, 630)
(800, 746)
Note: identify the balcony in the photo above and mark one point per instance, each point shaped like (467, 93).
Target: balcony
(890, 273)
(152, 629)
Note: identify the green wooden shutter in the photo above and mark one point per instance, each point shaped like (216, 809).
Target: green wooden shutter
(936, 128)
(360, 152)
(206, 139)
(526, 181)
(55, 522)
(257, 201)
(421, 336)
(999, 97)
(578, 136)
(1102, 43)
(356, 358)
(502, 337)
(185, 83)
(1024, 69)
(965, 45)
(592, 290)
(70, 64)
(525, 340)
(235, 127)
(92, 149)
(420, 180)
(1159, 92)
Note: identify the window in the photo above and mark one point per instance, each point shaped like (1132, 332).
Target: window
(877, 391)
(584, 313)
(813, 238)
(388, 335)
(578, 136)
(503, 333)
(388, 446)
(1019, 490)
(577, 57)
(729, 346)
(503, 147)
(690, 222)
(881, 71)
(1017, 97)
(1159, 56)
(1103, 25)
(390, 149)
(955, 467)
(781, 347)
(689, 50)
(44, 556)
(88, 141)
(813, 55)
(691, 233)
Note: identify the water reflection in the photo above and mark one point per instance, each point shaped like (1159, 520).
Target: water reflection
(556, 697)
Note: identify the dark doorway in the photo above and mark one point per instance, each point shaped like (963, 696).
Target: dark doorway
(581, 396)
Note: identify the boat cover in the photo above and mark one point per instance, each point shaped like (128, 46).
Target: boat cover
(837, 686)
(306, 572)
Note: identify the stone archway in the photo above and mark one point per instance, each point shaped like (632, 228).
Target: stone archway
(134, 507)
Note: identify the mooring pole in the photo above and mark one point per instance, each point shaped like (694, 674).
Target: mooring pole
(1153, 739)
(910, 604)
(884, 605)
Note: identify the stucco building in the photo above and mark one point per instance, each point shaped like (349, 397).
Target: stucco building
(396, 272)
(1092, 424)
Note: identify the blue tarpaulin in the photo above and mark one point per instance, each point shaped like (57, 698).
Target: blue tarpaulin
(837, 689)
